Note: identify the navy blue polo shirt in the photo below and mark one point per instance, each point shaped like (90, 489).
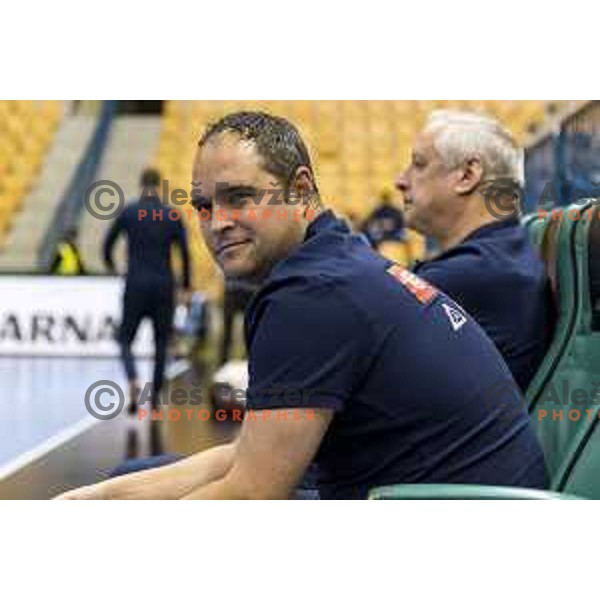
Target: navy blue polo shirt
(420, 394)
(498, 277)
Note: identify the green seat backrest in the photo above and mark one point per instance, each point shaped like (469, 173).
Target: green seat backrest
(557, 250)
(543, 232)
(536, 227)
(460, 492)
(566, 366)
(579, 471)
(527, 219)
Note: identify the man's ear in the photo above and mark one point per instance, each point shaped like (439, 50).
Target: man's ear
(470, 176)
(302, 185)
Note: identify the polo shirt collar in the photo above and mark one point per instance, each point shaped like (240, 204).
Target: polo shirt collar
(326, 221)
(491, 228)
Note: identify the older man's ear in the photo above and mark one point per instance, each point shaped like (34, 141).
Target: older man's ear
(469, 176)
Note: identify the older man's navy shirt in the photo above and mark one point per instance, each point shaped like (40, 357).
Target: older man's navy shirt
(498, 277)
(420, 394)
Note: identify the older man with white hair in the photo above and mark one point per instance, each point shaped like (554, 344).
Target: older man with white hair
(461, 189)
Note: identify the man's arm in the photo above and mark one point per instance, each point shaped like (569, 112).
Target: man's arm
(165, 483)
(298, 345)
(114, 232)
(267, 461)
(271, 456)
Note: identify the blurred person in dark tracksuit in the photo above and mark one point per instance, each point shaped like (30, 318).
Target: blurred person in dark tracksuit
(149, 283)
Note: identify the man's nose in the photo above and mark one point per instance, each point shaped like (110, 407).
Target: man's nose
(401, 182)
(221, 219)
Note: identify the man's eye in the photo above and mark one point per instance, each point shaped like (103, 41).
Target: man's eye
(202, 204)
(238, 201)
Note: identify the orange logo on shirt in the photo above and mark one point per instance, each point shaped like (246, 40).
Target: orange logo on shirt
(420, 289)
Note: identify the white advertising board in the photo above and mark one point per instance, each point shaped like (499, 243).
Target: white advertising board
(64, 316)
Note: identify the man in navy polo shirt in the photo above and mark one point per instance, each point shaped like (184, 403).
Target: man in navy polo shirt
(354, 362)
(459, 190)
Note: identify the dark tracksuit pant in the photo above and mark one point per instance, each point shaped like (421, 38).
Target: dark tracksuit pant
(155, 302)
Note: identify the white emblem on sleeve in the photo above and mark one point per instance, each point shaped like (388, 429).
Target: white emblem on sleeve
(457, 318)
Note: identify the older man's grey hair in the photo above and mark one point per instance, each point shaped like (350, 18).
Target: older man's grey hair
(459, 136)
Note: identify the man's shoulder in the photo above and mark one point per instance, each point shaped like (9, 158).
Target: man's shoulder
(463, 262)
(295, 287)
(131, 210)
(480, 265)
(298, 299)
(486, 256)
(351, 267)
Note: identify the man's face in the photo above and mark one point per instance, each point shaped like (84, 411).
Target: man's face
(428, 187)
(246, 232)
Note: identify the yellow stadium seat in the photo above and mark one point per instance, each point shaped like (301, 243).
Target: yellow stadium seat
(26, 133)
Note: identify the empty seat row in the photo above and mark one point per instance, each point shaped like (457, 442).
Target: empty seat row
(26, 132)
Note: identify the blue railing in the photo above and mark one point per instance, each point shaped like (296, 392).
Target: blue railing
(540, 171)
(71, 204)
(565, 166)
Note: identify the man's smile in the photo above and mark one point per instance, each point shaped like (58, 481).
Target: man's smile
(230, 246)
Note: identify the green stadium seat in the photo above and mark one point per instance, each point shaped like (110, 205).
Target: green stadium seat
(557, 250)
(559, 417)
(527, 219)
(461, 492)
(536, 227)
(578, 471)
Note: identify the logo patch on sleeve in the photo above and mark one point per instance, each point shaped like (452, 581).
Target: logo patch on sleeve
(456, 318)
(420, 289)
